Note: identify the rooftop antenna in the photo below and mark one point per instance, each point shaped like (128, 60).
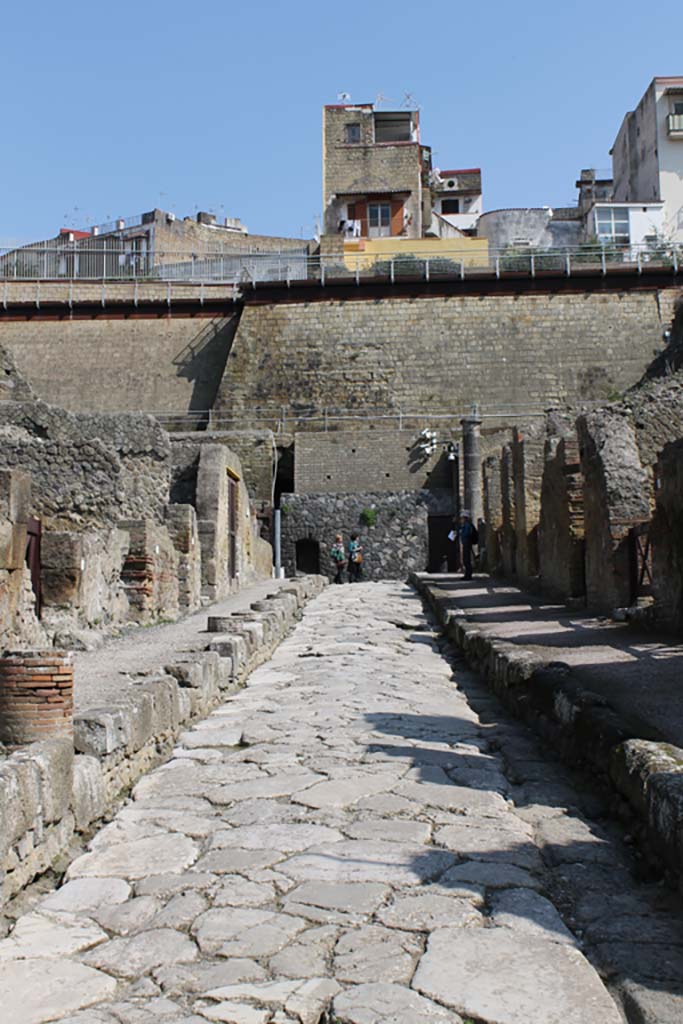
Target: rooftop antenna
(343, 97)
(409, 102)
(380, 98)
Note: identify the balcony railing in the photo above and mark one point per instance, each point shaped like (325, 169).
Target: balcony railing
(674, 125)
(244, 270)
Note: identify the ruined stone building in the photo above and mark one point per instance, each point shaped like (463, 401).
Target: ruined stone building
(91, 537)
(588, 506)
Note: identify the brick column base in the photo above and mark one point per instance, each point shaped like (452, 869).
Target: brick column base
(36, 696)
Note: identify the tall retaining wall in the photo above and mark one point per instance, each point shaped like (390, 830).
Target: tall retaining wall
(425, 352)
(158, 365)
(440, 354)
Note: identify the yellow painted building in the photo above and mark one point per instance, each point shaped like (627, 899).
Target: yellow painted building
(363, 253)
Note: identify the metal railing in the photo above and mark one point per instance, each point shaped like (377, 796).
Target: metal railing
(285, 419)
(92, 262)
(120, 224)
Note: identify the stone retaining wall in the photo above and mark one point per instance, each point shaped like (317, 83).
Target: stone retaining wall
(54, 791)
(644, 777)
(395, 544)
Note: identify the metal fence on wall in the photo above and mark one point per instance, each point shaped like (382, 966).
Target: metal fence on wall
(89, 260)
(285, 419)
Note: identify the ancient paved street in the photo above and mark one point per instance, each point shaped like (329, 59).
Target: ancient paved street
(345, 840)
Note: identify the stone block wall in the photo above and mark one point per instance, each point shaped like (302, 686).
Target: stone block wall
(394, 546)
(666, 537)
(527, 467)
(161, 365)
(256, 450)
(87, 468)
(561, 529)
(17, 600)
(493, 512)
(616, 494)
(13, 387)
(508, 530)
(81, 579)
(440, 354)
(253, 555)
(181, 523)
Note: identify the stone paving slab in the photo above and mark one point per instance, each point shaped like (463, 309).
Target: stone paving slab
(362, 857)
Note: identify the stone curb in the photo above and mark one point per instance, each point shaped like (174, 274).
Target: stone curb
(55, 789)
(644, 774)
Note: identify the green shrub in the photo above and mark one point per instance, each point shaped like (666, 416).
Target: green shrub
(368, 516)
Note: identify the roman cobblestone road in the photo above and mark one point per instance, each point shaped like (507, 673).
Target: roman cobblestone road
(347, 839)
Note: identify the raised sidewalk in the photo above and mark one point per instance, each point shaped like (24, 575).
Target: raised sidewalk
(134, 697)
(607, 697)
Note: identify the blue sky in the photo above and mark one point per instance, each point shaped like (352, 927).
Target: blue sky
(112, 109)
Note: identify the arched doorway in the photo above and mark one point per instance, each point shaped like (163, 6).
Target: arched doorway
(308, 555)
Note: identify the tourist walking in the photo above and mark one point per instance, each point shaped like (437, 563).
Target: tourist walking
(468, 538)
(338, 558)
(355, 559)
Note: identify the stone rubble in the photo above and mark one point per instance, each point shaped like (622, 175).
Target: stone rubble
(363, 854)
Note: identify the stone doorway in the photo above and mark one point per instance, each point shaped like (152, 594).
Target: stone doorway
(440, 547)
(308, 555)
(34, 534)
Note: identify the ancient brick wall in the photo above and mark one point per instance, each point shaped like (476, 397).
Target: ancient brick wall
(433, 354)
(365, 459)
(150, 572)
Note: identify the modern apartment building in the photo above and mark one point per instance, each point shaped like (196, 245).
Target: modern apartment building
(376, 173)
(647, 156)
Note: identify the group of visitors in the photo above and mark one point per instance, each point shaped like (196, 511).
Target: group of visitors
(351, 558)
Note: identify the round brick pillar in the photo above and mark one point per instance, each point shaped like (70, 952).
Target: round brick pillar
(36, 695)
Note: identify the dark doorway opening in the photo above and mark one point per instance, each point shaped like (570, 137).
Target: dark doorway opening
(443, 553)
(33, 539)
(232, 526)
(284, 478)
(308, 555)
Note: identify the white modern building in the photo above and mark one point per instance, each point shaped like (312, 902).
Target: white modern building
(458, 197)
(647, 161)
(626, 224)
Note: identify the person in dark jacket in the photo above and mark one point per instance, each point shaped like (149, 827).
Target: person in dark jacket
(355, 559)
(468, 536)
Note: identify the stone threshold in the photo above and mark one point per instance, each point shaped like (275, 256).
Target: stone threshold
(55, 792)
(644, 777)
